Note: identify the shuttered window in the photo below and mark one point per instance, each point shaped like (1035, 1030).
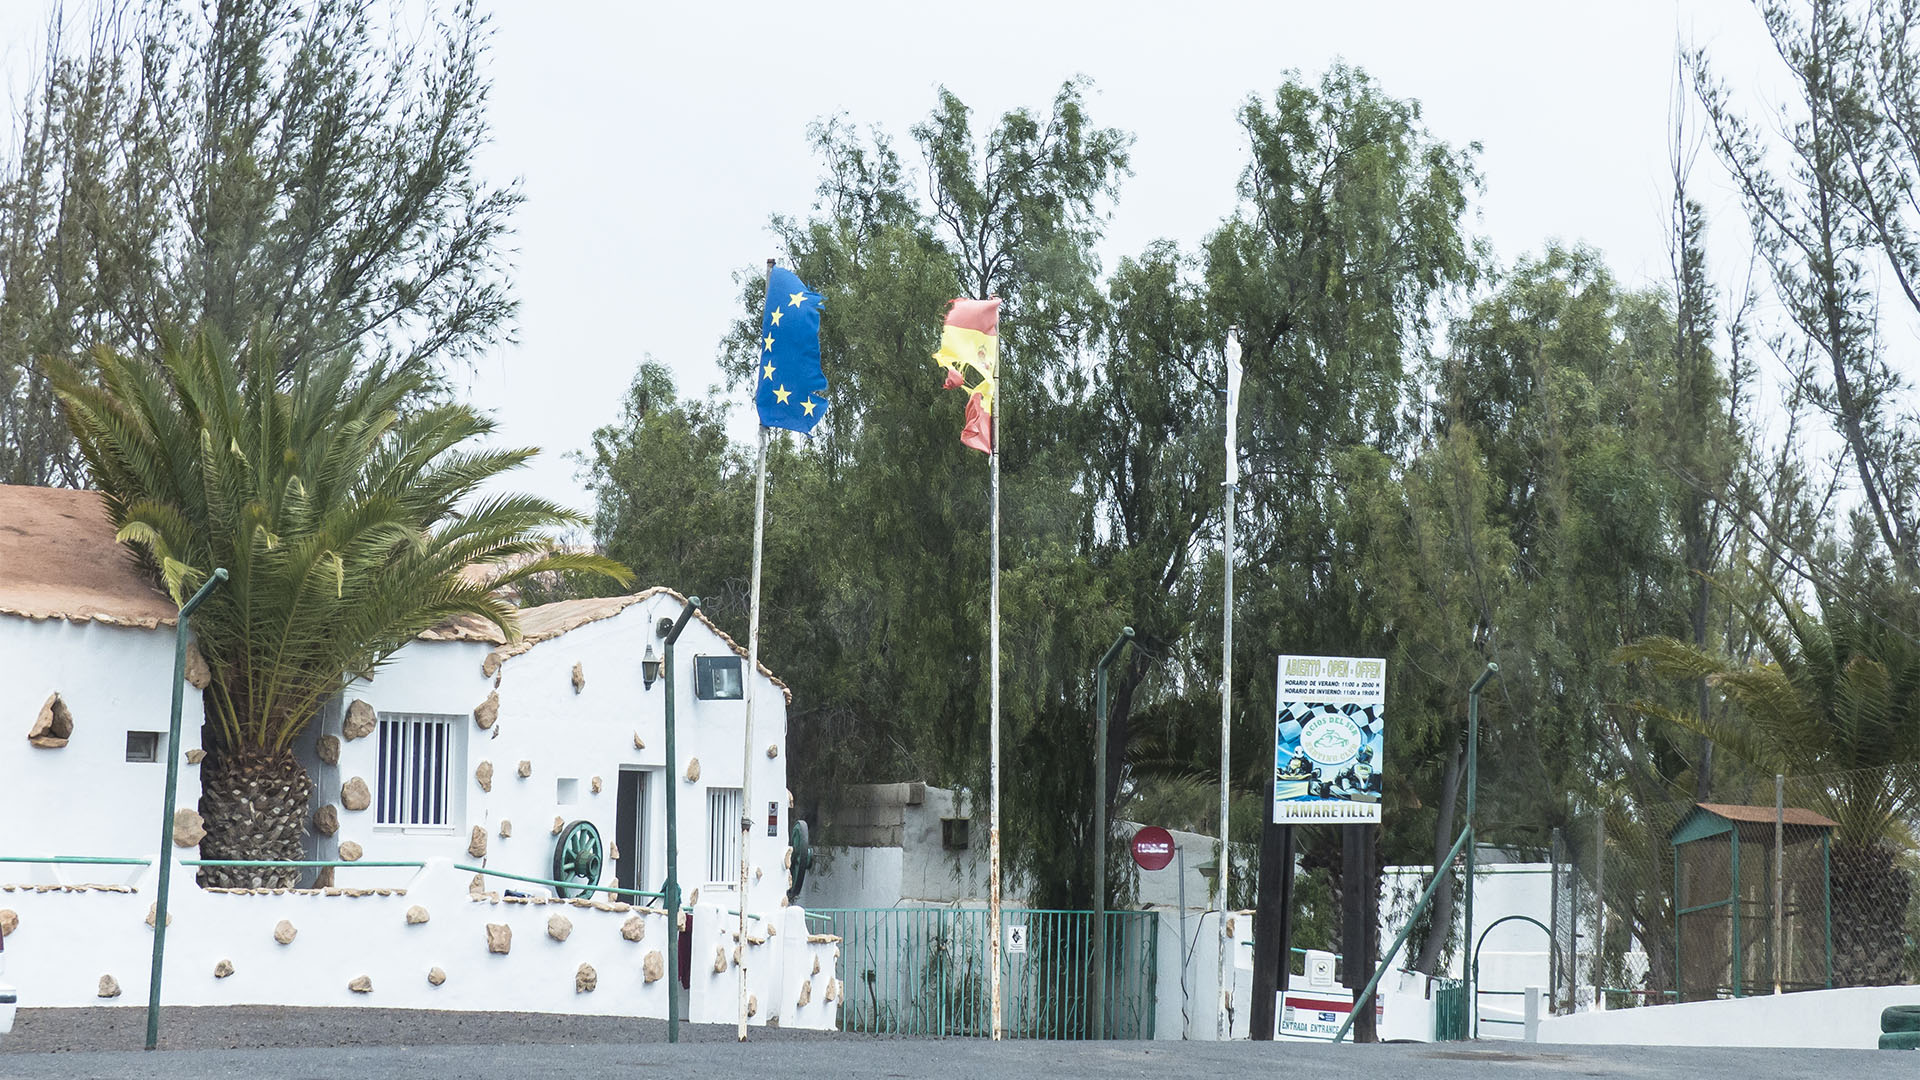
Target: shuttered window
(723, 834)
(416, 759)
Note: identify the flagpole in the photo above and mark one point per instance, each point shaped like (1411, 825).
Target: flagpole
(993, 761)
(753, 669)
(1223, 1029)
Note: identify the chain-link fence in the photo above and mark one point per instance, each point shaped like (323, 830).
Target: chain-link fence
(1776, 885)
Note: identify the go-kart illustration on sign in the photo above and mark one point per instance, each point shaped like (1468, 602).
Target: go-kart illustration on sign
(1327, 740)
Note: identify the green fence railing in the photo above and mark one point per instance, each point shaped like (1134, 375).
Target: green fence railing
(1449, 1010)
(923, 972)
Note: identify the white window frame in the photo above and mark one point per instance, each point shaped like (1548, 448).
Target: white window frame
(723, 835)
(416, 786)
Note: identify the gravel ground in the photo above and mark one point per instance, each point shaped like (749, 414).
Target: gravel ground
(247, 1027)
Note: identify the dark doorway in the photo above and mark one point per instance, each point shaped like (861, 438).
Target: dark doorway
(630, 831)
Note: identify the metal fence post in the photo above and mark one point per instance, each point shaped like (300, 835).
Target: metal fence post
(673, 833)
(1779, 870)
(1097, 1007)
(1473, 839)
(166, 821)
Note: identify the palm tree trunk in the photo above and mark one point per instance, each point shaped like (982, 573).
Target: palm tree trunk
(254, 802)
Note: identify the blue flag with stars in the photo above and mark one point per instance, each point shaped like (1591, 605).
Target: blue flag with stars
(792, 390)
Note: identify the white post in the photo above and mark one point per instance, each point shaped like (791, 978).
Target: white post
(1530, 1016)
(993, 760)
(1225, 965)
(748, 686)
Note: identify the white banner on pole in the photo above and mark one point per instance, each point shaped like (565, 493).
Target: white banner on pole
(1328, 737)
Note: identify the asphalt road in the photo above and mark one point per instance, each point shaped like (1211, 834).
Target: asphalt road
(256, 1044)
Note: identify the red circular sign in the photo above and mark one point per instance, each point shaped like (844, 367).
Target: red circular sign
(1153, 848)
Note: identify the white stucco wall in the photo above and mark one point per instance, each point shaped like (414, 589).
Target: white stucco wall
(1828, 1019)
(85, 798)
(66, 939)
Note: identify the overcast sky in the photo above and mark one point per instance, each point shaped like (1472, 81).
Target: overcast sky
(655, 140)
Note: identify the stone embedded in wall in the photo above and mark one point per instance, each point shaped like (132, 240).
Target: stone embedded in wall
(816, 965)
(354, 794)
(613, 852)
(491, 664)
(773, 752)
(654, 967)
(283, 932)
(326, 820)
(506, 828)
(487, 711)
(753, 1005)
(758, 873)
(483, 775)
(806, 991)
(692, 900)
(638, 742)
(559, 927)
(477, 847)
(499, 938)
(585, 979)
(693, 770)
(596, 785)
(634, 928)
(153, 909)
(196, 756)
(526, 769)
(327, 748)
(436, 976)
(351, 851)
(223, 969)
(9, 921)
(478, 886)
(109, 987)
(737, 952)
(361, 985)
(188, 828)
(833, 991)
(198, 675)
(558, 824)
(53, 727)
(579, 678)
(417, 915)
(360, 720)
(324, 879)
(719, 959)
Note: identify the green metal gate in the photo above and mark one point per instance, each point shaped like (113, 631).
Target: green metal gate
(923, 971)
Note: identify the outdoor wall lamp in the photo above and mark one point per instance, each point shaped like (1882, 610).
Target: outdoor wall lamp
(649, 668)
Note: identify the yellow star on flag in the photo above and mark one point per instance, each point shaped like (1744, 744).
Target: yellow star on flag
(782, 393)
(793, 300)
(769, 343)
(769, 372)
(776, 317)
(807, 407)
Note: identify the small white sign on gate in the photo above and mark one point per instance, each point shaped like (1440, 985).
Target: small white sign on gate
(1016, 939)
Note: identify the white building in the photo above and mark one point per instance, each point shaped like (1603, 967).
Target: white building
(465, 750)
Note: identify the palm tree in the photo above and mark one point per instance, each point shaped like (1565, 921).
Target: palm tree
(345, 510)
(1837, 705)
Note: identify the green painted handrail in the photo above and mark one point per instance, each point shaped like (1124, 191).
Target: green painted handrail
(298, 864)
(83, 860)
(552, 884)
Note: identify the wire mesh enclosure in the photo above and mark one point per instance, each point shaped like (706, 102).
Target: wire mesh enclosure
(1754, 902)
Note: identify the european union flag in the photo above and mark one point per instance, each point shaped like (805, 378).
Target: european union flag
(792, 390)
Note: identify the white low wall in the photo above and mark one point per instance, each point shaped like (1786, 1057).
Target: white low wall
(69, 935)
(1823, 1019)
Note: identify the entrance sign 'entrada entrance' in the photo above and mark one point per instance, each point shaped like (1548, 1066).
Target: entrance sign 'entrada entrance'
(1328, 740)
(1153, 848)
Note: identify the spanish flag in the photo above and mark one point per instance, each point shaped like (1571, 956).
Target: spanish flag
(970, 342)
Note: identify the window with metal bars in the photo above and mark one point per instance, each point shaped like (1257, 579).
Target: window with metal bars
(416, 761)
(723, 834)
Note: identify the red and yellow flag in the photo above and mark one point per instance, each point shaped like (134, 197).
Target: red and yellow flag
(970, 341)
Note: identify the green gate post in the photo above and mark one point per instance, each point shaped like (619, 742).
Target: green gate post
(1473, 839)
(166, 821)
(673, 833)
(1097, 1022)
